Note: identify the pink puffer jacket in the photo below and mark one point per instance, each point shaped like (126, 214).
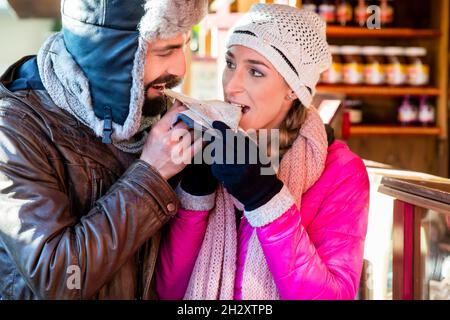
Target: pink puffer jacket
(314, 253)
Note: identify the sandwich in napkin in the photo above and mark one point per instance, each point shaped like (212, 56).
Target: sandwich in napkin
(205, 112)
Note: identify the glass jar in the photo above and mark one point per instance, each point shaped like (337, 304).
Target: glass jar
(361, 14)
(418, 70)
(352, 69)
(386, 13)
(334, 74)
(407, 112)
(327, 10)
(427, 113)
(396, 73)
(344, 12)
(354, 110)
(374, 73)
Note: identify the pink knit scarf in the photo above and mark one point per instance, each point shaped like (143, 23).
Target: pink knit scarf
(213, 276)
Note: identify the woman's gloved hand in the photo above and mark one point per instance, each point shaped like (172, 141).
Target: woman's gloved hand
(247, 182)
(198, 180)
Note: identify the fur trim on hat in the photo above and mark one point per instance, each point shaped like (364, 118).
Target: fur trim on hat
(165, 19)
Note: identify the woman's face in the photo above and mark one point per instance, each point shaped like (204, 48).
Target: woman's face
(250, 80)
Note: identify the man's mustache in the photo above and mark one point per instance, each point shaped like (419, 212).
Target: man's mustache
(170, 81)
(158, 105)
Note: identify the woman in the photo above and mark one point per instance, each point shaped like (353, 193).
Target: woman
(295, 235)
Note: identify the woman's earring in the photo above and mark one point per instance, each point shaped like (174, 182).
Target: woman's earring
(291, 96)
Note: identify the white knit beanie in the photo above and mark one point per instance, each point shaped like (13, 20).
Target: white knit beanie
(292, 39)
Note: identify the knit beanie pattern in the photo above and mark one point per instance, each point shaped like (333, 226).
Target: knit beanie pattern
(292, 39)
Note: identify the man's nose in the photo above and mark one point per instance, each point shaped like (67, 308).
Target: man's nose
(177, 66)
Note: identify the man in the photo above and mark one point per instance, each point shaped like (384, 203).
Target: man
(84, 158)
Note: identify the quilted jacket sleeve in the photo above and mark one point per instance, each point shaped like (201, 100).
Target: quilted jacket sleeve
(325, 260)
(181, 245)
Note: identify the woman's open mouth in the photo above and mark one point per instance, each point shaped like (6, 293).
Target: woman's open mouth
(244, 108)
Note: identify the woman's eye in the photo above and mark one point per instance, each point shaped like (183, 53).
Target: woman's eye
(165, 54)
(230, 65)
(256, 73)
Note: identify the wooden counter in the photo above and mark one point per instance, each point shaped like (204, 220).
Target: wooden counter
(421, 234)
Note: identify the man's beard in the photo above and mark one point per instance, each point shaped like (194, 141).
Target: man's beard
(158, 105)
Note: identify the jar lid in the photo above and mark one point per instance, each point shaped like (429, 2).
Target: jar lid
(334, 50)
(394, 51)
(416, 52)
(372, 51)
(350, 50)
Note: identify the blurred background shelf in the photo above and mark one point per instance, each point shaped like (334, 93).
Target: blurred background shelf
(367, 130)
(378, 90)
(226, 21)
(357, 32)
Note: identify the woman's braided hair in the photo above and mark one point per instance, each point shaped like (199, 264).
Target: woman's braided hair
(290, 126)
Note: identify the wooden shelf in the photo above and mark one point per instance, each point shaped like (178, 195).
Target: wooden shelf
(226, 21)
(357, 32)
(378, 90)
(362, 130)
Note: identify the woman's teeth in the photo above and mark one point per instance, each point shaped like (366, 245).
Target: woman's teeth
(243, 107)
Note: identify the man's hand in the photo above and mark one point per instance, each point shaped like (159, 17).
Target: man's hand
(169, 148)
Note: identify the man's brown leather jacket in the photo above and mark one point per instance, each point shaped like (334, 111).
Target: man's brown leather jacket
(75, 222)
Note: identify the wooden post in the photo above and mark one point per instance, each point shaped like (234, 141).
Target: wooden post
(442, 12)
(419, 256)
(244, 5)
(403, 251)
(186, 86)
